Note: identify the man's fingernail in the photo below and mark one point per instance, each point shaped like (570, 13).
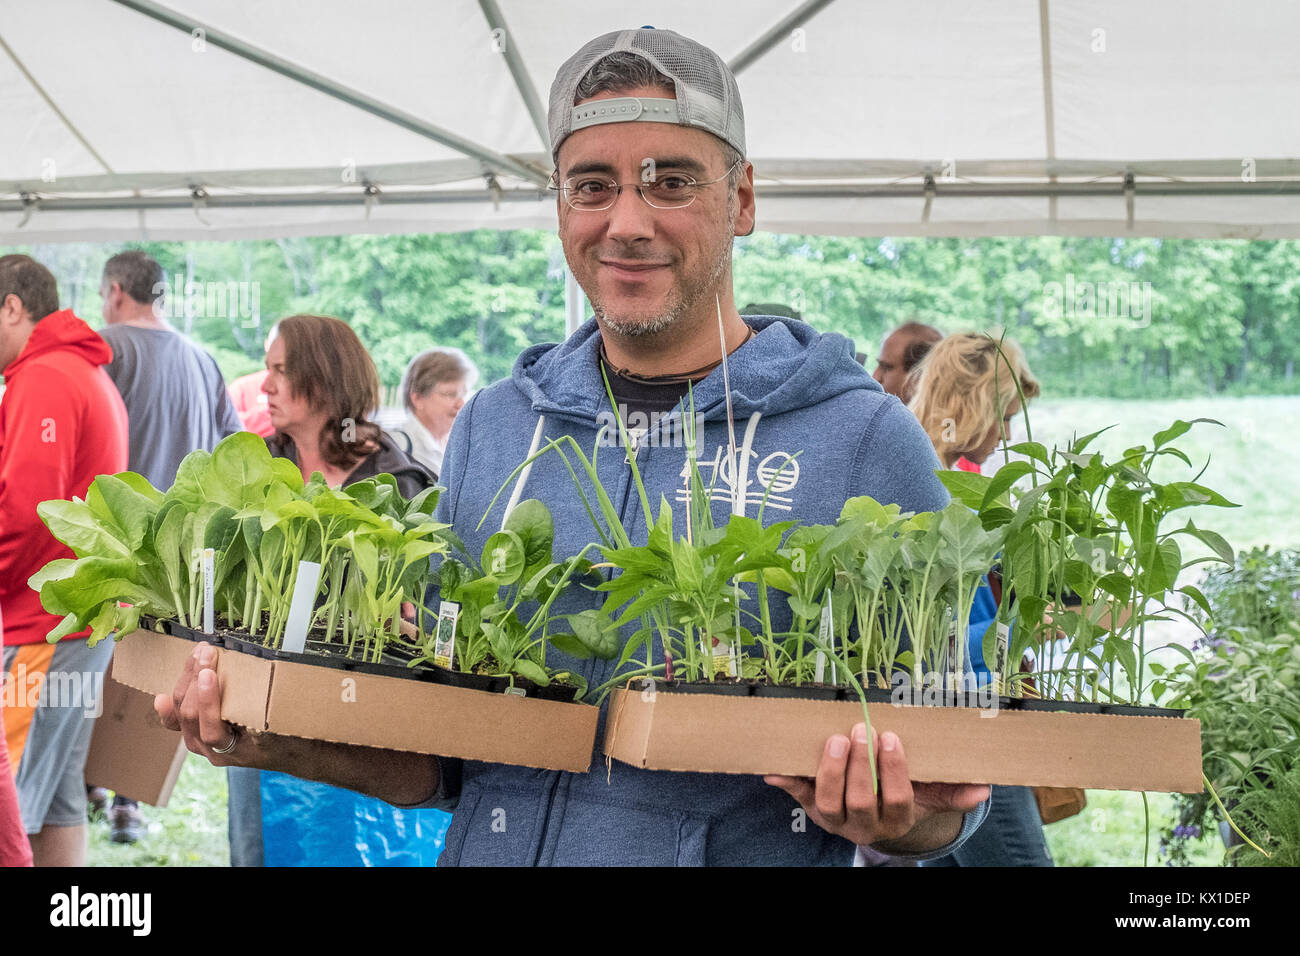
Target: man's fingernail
(839, 746)
(208, 657)
(889, 740)
(860, 733)
(205, 679)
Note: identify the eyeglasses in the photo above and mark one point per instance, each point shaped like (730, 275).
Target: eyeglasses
(588, 193)
(452, 394)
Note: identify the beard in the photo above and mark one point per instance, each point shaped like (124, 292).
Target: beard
(686, 294)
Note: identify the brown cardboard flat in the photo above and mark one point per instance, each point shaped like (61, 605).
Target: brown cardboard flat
(324, 703)
(327, 704)
(131, 752)
(759, 735)
(153, 662)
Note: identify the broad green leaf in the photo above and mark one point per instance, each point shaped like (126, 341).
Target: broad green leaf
(967, 487)
(241, 469)
(55, 570)
(1184, 494)
(593, 630)
(70, 624)
(532, 671)
(73, 523)
(287, 473)
(503, 557)
(531, 521)
(1002, 480)
(1031, 449)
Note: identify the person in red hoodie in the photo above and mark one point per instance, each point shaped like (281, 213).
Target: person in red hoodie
(62, 422)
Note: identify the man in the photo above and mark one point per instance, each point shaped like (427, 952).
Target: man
(647, 134)
(174, 392)
(61, 423)
(175, 399)
(900, 353)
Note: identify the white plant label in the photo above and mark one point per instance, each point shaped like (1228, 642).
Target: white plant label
(208, 561)
(444, 637)
(301, 607)
(826, 634)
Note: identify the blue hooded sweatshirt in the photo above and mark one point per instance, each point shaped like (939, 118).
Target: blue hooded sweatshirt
(794, 390)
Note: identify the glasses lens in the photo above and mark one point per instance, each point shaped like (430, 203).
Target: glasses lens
(585, 192)
(669, 192)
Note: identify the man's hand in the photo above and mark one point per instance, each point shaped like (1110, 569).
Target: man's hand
(194, 708)
(903, 817)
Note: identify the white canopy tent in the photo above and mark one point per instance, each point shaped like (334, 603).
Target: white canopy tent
(226, 119)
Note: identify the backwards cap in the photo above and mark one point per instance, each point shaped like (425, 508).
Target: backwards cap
(707, 96)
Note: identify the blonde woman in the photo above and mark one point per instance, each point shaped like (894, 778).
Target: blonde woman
(967, 391)
(968, 388)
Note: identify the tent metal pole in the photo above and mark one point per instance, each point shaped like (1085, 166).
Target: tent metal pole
(493, 161)
(1113, 190)
(776, 33)
(49, 101)
(523, 82)
(574, 302)
(1049, 103)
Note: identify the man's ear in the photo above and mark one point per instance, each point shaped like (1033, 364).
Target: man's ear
(745, 212)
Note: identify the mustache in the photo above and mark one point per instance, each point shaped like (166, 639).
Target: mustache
(628, 255)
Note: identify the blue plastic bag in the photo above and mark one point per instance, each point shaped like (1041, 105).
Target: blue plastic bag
(311, 824)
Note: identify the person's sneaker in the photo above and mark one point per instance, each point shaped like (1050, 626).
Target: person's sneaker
(97, 801)
(128, 824)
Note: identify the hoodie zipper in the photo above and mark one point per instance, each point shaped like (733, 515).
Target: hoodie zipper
(546, 840)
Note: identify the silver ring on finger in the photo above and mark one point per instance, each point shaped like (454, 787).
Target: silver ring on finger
(234, 739)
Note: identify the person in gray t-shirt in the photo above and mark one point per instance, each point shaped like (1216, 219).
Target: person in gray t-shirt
(175, 396)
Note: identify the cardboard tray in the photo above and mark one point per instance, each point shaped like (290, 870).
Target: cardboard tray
(131, 752)
(759, 735)
(323, 703)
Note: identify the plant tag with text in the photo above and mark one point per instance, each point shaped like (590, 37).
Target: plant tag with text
(1000, 656)
(444, 637)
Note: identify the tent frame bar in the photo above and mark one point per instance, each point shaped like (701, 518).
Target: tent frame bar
(523, 82)
(493, 162)
(775, 33)
(939, 191)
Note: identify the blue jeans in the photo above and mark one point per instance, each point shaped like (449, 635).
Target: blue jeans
(1011, 835)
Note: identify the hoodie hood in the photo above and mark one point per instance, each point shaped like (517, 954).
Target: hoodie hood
(786, 366)
(62, 332)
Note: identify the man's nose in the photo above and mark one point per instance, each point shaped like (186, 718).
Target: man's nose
(631, 217)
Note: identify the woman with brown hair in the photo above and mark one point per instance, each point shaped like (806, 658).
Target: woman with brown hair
(321, 387)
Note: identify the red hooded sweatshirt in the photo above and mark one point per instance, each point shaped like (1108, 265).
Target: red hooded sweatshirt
(62, 422)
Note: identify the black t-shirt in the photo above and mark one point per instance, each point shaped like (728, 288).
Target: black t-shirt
(641, 398)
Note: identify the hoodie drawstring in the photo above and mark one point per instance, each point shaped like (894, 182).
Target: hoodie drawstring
(523, 475)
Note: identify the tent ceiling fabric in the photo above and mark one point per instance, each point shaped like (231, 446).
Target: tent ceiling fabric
(864, 117)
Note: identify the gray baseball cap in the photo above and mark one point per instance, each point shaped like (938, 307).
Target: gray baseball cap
(707, 96)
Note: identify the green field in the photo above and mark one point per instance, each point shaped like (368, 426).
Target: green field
(1248, 461)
